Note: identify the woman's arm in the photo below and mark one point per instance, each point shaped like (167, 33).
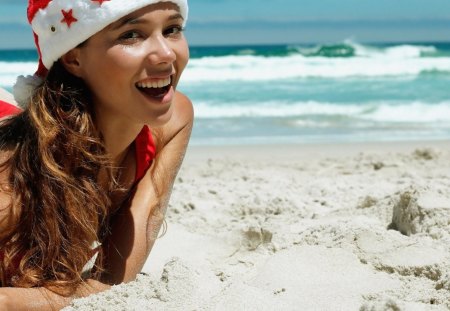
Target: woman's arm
(136, 226)
(41, 299)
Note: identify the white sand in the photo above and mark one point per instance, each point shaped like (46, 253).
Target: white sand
(301, 228)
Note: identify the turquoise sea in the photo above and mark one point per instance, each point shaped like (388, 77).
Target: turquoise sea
(307, 93)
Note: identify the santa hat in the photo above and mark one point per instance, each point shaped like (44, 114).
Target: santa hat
(61, 25)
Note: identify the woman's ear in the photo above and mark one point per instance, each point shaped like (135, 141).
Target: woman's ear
(71, 62)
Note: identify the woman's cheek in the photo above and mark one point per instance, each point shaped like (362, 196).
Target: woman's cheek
(129, 56)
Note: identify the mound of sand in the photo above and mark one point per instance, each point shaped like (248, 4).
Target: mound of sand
(365, 228)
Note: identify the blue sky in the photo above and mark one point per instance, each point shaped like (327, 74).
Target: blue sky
(221, 22)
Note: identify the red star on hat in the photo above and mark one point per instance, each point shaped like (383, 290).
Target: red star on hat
(100, 1)
(68, 17)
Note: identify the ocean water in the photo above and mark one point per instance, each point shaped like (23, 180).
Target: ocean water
(342, 92)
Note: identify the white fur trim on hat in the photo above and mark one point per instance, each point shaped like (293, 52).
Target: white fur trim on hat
(57, 38)
(25, 87)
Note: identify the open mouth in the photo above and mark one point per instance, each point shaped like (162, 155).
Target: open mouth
(155, 88)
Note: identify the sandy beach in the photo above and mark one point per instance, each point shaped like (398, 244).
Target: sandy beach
(301, 227)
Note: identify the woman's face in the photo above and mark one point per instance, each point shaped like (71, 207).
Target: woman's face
(133, 66)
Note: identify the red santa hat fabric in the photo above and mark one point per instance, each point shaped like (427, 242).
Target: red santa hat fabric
(61, 25)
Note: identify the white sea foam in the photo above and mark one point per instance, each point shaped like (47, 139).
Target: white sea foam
(413, 112)
(9, 71)
(395, 62)
(273, 109)
(399, 51)
(368, 62)
(416, 112)
(408, 51)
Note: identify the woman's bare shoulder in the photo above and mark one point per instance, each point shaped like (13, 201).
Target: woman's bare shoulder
(5, 155)
(182, 117)
(184, 111)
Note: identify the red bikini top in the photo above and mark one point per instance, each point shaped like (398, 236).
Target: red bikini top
(144, 144)
(145, 153)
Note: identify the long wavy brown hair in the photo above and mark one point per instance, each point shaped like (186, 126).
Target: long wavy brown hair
(58, 209)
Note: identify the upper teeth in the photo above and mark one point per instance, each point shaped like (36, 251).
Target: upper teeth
(155, 83)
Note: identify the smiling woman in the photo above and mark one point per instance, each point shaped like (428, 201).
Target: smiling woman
(87, 164)
(117, 53)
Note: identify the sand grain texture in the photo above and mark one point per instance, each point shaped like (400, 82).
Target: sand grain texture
(357, 227)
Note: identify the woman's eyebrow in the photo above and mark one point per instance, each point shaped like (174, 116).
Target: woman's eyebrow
(125, 21)
(136, 21)
(176, 16)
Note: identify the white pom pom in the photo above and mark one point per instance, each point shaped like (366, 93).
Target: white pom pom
(25, 88)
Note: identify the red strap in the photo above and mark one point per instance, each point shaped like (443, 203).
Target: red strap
(7, 109)
(145, 152)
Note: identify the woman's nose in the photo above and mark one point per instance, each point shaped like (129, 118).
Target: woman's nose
(161, 51)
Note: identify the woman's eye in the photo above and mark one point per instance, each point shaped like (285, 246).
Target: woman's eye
(173, 30)
(130, 36)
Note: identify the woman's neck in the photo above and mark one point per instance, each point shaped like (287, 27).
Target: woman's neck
(118, 142)
(118, 135)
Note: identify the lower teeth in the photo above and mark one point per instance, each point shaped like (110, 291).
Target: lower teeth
(155, 92)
